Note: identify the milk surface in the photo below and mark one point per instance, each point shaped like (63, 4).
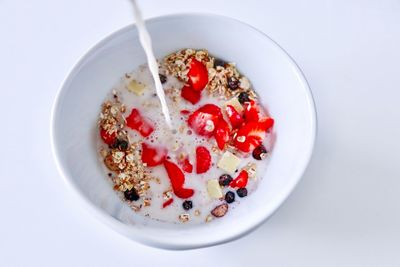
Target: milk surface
(177, 141)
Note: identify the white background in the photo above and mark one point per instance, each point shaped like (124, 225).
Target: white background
(345, 211)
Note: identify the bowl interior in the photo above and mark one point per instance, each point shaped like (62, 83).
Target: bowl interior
(278, 81)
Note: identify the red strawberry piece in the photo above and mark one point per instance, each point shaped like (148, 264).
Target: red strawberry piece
(168, 202)
(221, 133)
(108, 138)
(185, 112)
(177, 179)
(241, 180)
(266, 123)
(186, 165)
(153, 156)
(190, 95)
(184, 193)
(251, 111)
(198, 75)
(204, 119)
(234, 117)
(137, 122)
(203, 159)
(251, 135)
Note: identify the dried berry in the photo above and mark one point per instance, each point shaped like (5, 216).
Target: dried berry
(225, 179)
(163, 78)
(187, 205)
(242, 192)
(120, 144)
(229, 197)
(123, 145)
(220, 210)
(131, 195)
(260, 152)
(219, 62)
(243, 97)
(233, 83)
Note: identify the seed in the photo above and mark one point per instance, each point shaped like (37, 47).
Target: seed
(233, 83)
(242, 192)
(260, 152)
(243, 97)
(229, 197)
(163, 78)
(225, 179)
(187, 205)
(131, 195)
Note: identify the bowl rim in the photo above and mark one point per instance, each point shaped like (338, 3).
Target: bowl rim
(119, 226)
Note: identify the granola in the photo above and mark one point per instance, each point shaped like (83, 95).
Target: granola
(213, 156)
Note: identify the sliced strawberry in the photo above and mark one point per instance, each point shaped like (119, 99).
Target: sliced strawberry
(251, 111)
(109, 139)
(266, 123)
(185, 112)
(250, 135)
(221, 133)
(137, 122)
(203, 159)
(184, 192)
(186, 165)
(198, 75)
(241, 180)
(168, 202)
(204, 119)
(190, 95)
(153, 156)
(234, 117)
(177, 179)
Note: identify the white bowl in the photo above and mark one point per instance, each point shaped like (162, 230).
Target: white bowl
(277, 79)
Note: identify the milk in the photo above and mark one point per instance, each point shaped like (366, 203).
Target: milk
(145, 41)
(149, 107)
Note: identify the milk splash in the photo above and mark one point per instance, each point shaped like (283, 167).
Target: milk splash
(145, 41)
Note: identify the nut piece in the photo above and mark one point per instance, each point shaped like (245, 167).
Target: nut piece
(234, 102)
(214, 189)
(220, 210)
(184, 217)
(110, 164)
(228, 162)
(136, 87)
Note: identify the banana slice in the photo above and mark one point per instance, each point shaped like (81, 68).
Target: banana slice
(214, 189)
(136, 87)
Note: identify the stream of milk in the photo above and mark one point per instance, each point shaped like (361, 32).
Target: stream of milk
(145, 41)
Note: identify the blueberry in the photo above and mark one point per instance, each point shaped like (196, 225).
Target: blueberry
(187, 205)
(233, 83)
(219, 62)
(131, 195)
(243, 97)
(242, 192)
(225, 179)
(259, 152)
(229, 197)
(163, 78)
(120, 144)
(123, 145)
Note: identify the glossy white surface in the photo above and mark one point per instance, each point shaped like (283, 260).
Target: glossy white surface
(344, 212)
(282, 90)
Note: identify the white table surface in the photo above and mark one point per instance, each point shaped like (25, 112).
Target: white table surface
(345, 211)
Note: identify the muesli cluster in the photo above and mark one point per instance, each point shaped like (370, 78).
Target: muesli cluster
(210, 160)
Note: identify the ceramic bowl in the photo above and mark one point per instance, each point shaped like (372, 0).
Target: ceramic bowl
(279, 82)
